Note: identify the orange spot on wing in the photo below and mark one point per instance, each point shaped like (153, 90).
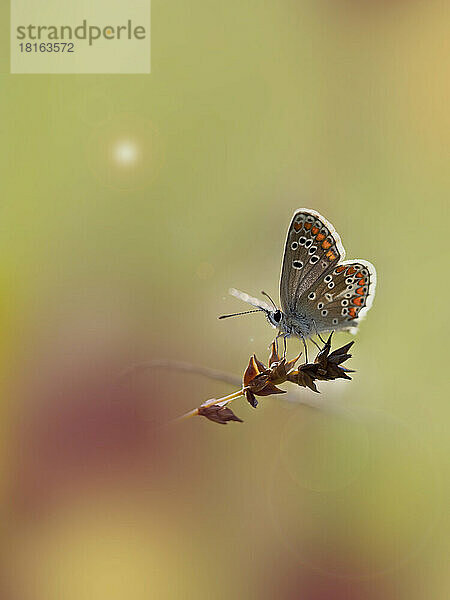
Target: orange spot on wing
(362, 281)
(359, 275)
(340, 269)
(308, 225)
(320, 237)
(330, 254)
(351, 270)
(358, 301)
(352, 311)
(315, 230)
(360, 291)
(298, 226)
(326, 244)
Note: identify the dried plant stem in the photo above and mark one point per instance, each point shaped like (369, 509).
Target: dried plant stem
(178, 365)
(225, 400)
(212, 402)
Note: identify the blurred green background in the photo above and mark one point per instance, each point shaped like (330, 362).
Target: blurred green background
(130, 204)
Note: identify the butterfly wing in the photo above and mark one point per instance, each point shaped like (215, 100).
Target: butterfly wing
(340, 298)
(313, 247)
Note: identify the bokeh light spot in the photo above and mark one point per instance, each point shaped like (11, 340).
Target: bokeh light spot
(125, 152)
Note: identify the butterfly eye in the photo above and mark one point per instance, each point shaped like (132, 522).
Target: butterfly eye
(277, 316)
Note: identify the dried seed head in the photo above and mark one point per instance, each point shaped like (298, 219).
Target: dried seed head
(325, 367)
(218, 414)
(259, 380)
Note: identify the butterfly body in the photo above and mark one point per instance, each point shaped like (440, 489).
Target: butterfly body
(319, 290)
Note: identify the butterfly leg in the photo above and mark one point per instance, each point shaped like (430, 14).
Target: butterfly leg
(315, 343)
(306, 347)
(279, 334)
(318, 334)
(285, 336)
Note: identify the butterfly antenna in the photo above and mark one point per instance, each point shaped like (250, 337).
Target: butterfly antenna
(267, 296)
(247, 312)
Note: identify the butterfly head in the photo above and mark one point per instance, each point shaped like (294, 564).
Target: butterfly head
(275, 318)
(274, 315)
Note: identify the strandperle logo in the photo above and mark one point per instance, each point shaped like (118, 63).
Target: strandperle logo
(80, 36)
(84, 31)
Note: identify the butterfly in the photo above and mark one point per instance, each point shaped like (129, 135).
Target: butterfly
(319, 290)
